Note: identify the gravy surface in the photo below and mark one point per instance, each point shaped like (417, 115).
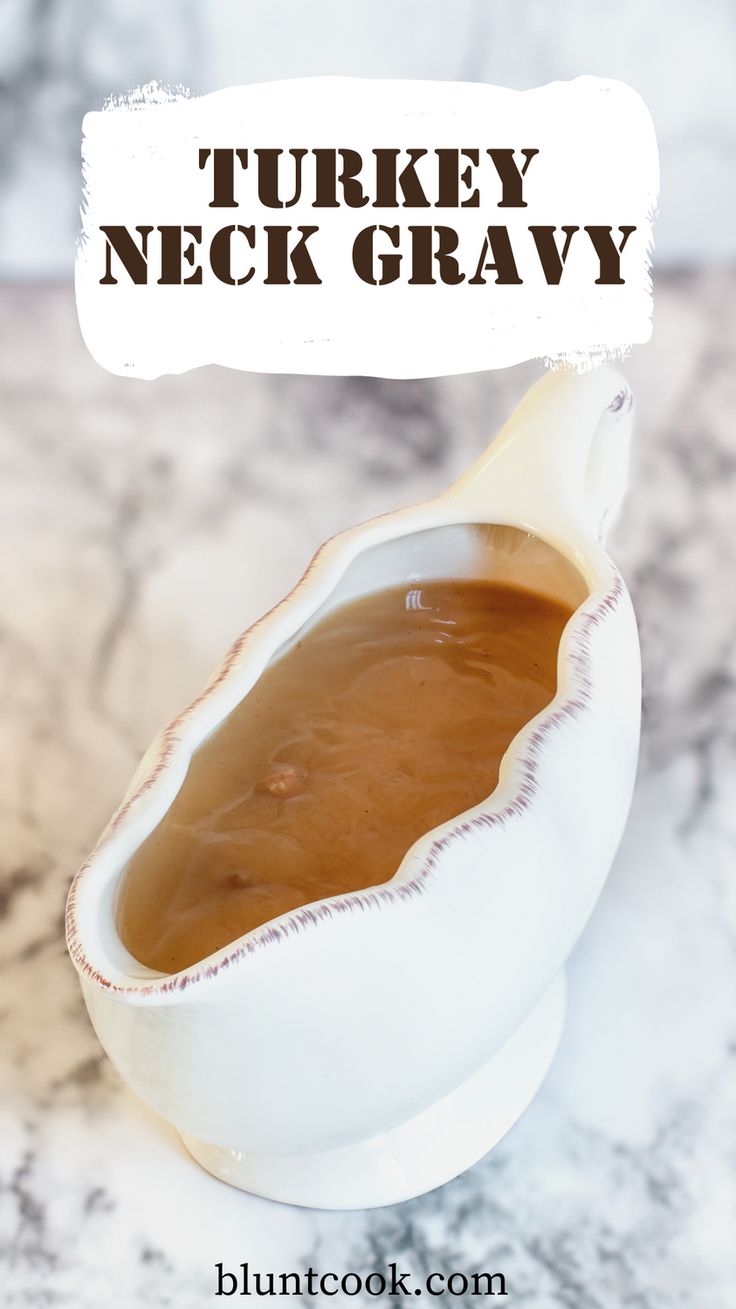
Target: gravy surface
(387, 718)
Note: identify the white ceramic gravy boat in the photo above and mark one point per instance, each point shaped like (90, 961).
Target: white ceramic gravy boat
(368, 1047)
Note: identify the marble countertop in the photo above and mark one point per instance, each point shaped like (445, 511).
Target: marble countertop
(142, 526)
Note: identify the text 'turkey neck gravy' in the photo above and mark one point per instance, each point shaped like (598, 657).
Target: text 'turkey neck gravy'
(389, 717)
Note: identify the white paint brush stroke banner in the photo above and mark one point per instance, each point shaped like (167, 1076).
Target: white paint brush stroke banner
(597, 164)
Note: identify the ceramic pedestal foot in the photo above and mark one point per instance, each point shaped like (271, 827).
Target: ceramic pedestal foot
(420, 1154)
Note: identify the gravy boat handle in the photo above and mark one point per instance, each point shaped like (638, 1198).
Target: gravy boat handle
(560, 463)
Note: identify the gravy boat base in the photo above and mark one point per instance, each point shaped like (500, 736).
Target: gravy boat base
(368, 1047)
(419, 1155)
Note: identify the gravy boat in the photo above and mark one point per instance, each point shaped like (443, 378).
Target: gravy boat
(368, 1047)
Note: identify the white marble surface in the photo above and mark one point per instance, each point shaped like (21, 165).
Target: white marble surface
(141, 521)
(60, 58)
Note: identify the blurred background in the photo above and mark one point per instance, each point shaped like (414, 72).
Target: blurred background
(59, 58)
(143, 525)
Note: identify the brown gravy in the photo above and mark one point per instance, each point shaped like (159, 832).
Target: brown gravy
(387, 718)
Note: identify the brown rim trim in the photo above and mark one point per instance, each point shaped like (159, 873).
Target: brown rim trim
(579, 660)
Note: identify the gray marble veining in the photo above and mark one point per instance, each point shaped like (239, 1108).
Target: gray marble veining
(60, 58)
(142, 526)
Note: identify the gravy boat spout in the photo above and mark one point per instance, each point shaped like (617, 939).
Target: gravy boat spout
(370, 1046)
